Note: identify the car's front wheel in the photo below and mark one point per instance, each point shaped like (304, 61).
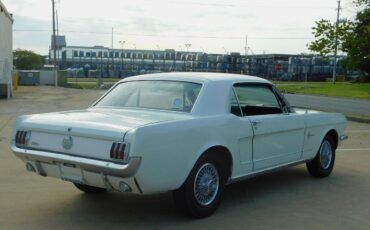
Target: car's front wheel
(201, 193)
(322, 165)
(89, 189)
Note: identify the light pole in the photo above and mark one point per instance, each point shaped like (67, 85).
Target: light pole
(224, 61)
(187, 45)
(225, 50)
(163, 62)
(122, 44)
(133, 59)
(181, 53)
(203, 59)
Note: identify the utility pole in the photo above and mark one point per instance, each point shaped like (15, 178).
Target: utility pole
(336, 45)
(112, 51)
(246, 45)
(57, 31)
(54, 46)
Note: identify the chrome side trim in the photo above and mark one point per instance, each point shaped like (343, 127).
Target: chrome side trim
(99, 166)
(266, 171)
(343, 137)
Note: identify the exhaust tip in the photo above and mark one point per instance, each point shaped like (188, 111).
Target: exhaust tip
(30, 167)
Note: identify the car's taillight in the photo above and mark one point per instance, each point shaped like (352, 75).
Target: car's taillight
(119, 151)
(22, 137)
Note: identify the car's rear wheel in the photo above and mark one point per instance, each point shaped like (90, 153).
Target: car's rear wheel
(201, 193)
(323, 163)
(89, 189)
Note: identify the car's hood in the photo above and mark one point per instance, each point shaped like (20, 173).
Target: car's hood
(100, 123)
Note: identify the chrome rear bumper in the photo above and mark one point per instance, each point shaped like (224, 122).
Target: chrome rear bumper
(92, 165)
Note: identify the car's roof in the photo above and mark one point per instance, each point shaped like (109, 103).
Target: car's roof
(197, 77)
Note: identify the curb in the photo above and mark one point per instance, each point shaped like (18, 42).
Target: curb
(358, 119)
(349, 117)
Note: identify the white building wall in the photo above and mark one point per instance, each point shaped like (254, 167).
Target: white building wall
(6, 49)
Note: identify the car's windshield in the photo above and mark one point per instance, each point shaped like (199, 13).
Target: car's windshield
(163, 95)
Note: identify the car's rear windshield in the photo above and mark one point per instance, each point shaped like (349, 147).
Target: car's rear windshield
(162, 95)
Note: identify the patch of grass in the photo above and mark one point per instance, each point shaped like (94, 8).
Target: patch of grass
(91, 85)
(340, 89)
(358, 116)
(74, 80)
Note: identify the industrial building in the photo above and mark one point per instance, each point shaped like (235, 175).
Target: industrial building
(100, 61)
(6, 51)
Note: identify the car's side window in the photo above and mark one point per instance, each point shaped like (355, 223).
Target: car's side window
(235, 108)
(283, 102)
(257, 99)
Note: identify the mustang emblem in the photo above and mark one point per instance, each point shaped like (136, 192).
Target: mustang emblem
(67, 142)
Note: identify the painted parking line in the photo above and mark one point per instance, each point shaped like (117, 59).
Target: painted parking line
(359, 149)
(357, 131)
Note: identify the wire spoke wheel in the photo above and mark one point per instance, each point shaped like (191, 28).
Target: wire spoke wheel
(325, 154)
(206, 184)
(323, 163)
(201, 193)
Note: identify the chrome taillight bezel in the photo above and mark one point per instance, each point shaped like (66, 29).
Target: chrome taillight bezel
(119, 151)
(22, 137)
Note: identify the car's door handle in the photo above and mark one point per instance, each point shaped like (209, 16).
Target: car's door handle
(255, 123)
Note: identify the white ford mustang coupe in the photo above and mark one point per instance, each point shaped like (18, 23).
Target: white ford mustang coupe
(189, 133)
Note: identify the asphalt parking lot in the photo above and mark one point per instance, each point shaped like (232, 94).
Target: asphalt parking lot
(289, 199)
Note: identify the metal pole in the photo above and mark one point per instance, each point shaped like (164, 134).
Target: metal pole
(159, 56)
(122, 44)
(133, 59)
(187, 45)
(101, 62)
(336, 45)
(246, 45)
(54, 46)
(57, 31)
(112, 51)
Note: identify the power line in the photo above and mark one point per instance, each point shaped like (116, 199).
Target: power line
(246, 6)
(176, 25)
(167, 35)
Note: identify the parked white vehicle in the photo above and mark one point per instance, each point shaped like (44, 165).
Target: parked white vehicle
(190, 133)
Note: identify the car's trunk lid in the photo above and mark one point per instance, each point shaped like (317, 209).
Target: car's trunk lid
(92, 131)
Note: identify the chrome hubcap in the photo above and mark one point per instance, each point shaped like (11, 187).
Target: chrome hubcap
(326, 154)
(206, 184)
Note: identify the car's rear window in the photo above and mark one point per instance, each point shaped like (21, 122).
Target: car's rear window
(163, 95)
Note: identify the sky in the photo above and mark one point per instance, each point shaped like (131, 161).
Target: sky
(215, 26)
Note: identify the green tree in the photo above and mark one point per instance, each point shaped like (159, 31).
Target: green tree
(27, 60)
(353, 38)
(357, 44)
(325, 32)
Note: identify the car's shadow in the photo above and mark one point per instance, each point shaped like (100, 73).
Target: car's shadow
(159, 209)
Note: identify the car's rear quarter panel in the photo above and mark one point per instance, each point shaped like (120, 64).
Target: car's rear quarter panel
(170, 150)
